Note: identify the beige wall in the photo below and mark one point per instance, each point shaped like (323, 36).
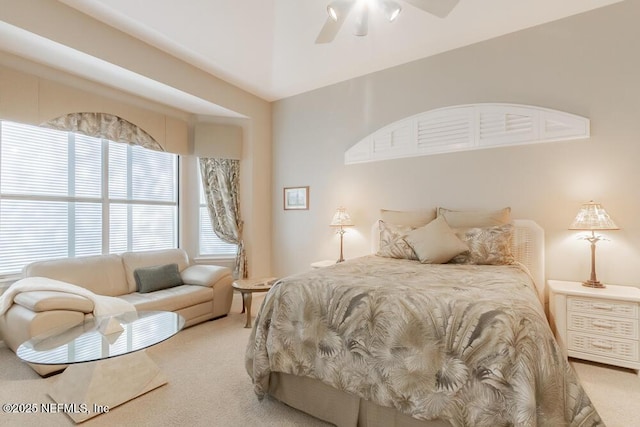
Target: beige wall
(29, 99)
(62, 24)
(586, 65)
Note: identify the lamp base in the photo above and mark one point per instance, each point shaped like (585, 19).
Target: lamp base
(593, 284)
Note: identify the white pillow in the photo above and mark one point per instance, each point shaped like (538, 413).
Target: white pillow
(436, 242)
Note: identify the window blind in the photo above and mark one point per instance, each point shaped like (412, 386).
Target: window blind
(54, 203)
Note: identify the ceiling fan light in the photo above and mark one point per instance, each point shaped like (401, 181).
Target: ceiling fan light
(391, 9)
(332, 10)
(362, 22)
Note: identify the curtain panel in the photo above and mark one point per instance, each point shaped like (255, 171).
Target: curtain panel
(220, 179)
(103, 125)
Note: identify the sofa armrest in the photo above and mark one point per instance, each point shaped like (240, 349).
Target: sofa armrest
(39, 301)
(204, 275)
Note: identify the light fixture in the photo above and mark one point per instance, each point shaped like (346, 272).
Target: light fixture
(362, 20)
(341, 219)
(333, 11)
(390, 9)
(591, 217)
(339, 9)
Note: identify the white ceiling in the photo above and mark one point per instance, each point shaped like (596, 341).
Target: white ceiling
(267, 47)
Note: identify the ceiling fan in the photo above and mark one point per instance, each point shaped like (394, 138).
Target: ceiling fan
(338, 10)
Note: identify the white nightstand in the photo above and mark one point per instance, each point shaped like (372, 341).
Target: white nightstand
(600, 325)
(323, 263)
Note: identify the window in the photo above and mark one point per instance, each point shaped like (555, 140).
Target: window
(209, 243)
(64, 194)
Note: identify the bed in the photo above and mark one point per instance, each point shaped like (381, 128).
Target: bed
(378, 341)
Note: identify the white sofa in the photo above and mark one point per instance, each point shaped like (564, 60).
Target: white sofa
(206, 293)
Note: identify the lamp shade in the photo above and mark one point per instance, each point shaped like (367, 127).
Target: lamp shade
(592, 216)
(341, 218)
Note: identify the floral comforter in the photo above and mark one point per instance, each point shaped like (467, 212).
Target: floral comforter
(465, 343)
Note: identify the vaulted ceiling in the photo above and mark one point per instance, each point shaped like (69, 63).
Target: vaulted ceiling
(268, 47)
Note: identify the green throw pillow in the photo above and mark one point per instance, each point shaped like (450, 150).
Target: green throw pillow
(149, 279)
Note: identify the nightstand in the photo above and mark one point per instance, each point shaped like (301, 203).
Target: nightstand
(600, 325)
(323, 263)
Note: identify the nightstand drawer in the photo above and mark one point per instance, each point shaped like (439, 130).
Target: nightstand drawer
(608, 326)
(610, 347)
(603, 307)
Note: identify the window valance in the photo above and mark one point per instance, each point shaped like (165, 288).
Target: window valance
(103, 125)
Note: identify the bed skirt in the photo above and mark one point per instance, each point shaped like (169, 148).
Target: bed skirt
(337, 407)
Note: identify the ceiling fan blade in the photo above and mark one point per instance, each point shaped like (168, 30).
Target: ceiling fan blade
(439, 8)
(332, 26)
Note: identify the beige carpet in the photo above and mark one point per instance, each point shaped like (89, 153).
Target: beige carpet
(208, 386)
(615, 392)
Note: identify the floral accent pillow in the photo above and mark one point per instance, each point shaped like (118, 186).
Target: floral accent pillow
(392, 243)
(487, 245)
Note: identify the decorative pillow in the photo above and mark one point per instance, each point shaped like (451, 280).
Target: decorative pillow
(436, 242)
(413, 219)
(487, 245)
(149, 279)
(464, 219)
(392, 244)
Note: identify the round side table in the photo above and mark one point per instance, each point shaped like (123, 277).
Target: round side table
(247, 287)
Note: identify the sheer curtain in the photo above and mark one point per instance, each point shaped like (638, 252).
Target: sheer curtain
(220, 179)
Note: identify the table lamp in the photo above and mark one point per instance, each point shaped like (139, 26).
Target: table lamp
(341, 219)
(592, 217)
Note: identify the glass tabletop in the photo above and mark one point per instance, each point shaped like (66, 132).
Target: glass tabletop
(102, 337)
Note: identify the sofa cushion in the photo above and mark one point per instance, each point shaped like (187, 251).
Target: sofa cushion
(149, 279)
(101, 274)
(204, 275)
(20, 324)
(171, 299)
(135, 260)
(39, 301)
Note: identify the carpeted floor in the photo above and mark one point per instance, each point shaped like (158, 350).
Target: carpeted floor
(208, 386)
(615, 392)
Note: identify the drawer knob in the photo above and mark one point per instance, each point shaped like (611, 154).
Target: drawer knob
(603, 307)
(604, 345)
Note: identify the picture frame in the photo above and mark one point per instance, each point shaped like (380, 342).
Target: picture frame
(296, 198)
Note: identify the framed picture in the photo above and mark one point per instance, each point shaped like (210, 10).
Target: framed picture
(296, 198)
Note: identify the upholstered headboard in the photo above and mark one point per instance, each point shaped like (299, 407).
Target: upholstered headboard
(527, 247)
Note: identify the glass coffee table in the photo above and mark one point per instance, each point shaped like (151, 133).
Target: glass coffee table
(107, 362)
